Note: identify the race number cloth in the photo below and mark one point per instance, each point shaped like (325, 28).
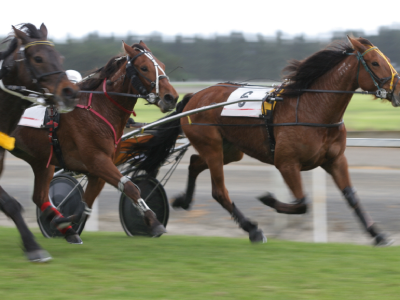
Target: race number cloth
(246, 109)
(33, 117)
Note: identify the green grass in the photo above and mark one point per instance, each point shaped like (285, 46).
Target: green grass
(363, 114)
(114, 266)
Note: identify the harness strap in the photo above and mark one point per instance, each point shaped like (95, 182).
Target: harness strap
(89, 108)
(55, 146)
(113, 101)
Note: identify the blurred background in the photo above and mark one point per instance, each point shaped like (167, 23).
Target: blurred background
(212, 41)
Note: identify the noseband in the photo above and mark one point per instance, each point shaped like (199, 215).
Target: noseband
(37, 77)
(133, 73)
(378, 82)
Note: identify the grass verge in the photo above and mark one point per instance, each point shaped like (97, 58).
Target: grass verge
(114, 266)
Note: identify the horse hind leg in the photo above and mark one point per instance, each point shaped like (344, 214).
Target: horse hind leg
(198, 165)
(220, 193)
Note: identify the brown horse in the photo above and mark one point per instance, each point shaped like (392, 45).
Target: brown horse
(307, 130)
(90, 134)
(29, 65)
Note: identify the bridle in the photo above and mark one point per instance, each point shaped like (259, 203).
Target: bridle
(36, 77)
(133, 73)
(378, 82)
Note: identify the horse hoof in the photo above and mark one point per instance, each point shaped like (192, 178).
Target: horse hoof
(74, 239)
(257, 236)
(381, 240)
(268, 200)
(179, 202)
(158, 231)
(38, 256)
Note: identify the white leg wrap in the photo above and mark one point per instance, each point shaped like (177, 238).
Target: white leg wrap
(87, 211)
(141, 205)
(121, 183)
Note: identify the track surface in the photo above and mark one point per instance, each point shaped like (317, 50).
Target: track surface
(375, 174)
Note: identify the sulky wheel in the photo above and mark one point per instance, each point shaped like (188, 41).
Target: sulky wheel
(154, 195)
(61, 187)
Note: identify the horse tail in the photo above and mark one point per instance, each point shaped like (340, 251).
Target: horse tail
(150, 154)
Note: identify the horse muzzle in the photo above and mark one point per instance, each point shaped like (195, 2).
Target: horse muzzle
(167, 103)
(66, 102)
(396, 100)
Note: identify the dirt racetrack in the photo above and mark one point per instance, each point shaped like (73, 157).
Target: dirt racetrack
(375, 173)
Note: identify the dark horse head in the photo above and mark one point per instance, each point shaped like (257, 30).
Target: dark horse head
(147, 75)
(31, 61)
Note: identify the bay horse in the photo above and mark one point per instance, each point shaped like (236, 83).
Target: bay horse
(89, 135)
(29, 66)
(307, 130)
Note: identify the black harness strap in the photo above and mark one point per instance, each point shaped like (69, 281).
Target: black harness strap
(52, 120)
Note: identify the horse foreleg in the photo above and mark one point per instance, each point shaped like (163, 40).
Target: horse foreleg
(103, 167)
(340, 174)
(43, 177)
(93, 189)
(13, 209)
(291, 174)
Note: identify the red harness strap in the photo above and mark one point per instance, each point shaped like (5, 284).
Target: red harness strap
(115, 102)
(89, 108)
(52, 127)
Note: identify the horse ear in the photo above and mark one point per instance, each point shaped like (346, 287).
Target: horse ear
(144, 45)
(350, 41)
(128, 49)
(356, 45)
(21, 35)
(43, 30)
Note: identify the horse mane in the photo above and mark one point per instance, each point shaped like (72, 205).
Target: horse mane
(302, 74)
(30, 31)
(108, 70)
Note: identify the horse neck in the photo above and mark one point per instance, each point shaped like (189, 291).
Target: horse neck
(109, 110)
(329, 108)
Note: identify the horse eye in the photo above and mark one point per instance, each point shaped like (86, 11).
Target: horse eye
(144, 69)
(375, 64)
(38, 59)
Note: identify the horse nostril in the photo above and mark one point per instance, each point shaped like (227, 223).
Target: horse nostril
(169, 98)
(68, 93)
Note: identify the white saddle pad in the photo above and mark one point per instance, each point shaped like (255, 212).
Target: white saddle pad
(246, 109)
(33, 117)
